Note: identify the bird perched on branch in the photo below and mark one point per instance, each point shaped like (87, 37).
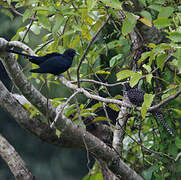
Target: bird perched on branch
(53, 63)
(136, 97)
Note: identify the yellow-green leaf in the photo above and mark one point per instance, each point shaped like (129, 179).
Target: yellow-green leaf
(124, 74)
(128, 24)
(91, 3)
(148, 99)
(135, 79)
(149, 78)
(160, 60)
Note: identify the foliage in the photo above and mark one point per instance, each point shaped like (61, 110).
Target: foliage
(73, 24)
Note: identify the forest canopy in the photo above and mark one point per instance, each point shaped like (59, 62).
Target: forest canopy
(131, 134)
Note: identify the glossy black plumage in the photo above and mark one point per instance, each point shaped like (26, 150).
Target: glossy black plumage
(53, 63)
(136, 97)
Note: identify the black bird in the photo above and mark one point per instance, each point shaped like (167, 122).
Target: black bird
(136, 97)
(53, 63)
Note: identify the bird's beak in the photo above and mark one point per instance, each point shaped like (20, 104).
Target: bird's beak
(77, 53)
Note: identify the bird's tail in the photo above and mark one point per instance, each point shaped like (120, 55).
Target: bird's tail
(16, 52)
(159, 116)
(35, 70)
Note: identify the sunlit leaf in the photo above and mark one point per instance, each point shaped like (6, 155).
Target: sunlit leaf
(146, 15)
(149, 78)
(162, 22)
(144, 56)
(148, 99)
(146, 22)
(124, 74)
(102, 72)
(128, 24)
(35, 28)
(135, 79)
(91, 4)
(175, 36)
(112, 3)
(161, 60)
(44, 21)
(114, 107)
(27, 14)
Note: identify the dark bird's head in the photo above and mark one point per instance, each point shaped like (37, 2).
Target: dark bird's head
(127, 87)
(70, 53)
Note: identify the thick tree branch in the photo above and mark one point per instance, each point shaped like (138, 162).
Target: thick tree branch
(14, 161)
(35, 125)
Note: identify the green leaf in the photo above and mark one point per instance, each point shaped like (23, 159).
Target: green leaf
(44, 21)
(147, 67)
(124, 74)
(35, 28)
(175, 36)
(57, 25)
(149, 78)
(165, 12)
(144, 56)
(7, 13)
(178, 111)
(70, 110)
(114, 107)
(58, 133)
(112, 3)
(100, 118)
(9, 2)
(147, 15)
(91, 4)
(135, 79)
(160, 60)
(143, 2)
(148, 99)
(155, 7)
(178, 142)
(114, 60)
(128, 24)
(96, 106)
(27, 14)
(113, 44)
(177, 54)
(162, 22)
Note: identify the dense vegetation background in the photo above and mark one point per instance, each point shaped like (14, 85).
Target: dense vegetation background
(137, 40)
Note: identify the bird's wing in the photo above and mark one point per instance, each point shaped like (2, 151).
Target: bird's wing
(51, 55)
(55, 65)
(40, 59)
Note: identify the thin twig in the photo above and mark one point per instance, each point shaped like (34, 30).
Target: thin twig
(88, 46)
(62, 108)
(28, 29)
(49, 41)
(98, 82)
(20, 14)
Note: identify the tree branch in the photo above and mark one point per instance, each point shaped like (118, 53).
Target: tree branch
(14, 161)
(91, 96)
(69, 130)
